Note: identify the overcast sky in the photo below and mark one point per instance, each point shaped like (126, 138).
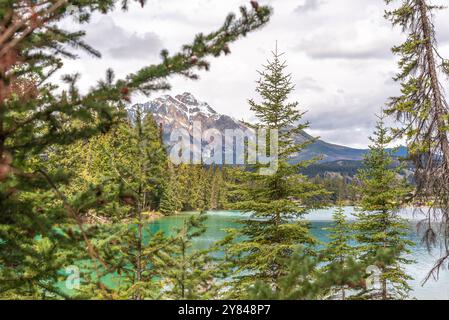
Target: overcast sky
(338, 52)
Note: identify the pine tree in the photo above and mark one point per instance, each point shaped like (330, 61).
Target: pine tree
(222, 182)
(274, 200)
(216, 184)
(134, 176)
(140, 165)
(379, 226)
(304, 279)
(171, 202)
(190, 273)
(210, 191)
(423, 110)
(339, 250)
(37, 115)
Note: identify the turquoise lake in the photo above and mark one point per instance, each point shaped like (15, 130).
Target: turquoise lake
(218, 221)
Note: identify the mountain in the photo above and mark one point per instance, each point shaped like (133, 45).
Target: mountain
(180, 111)
(329, 152)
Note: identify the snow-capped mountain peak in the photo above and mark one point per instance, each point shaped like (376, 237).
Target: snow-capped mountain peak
(194, 106)
(183, 109)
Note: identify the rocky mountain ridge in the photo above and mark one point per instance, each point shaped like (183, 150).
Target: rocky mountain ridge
(182, 110)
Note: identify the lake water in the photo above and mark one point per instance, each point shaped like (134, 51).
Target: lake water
(219, 220)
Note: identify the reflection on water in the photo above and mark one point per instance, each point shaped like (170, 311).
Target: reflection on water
(218, 221)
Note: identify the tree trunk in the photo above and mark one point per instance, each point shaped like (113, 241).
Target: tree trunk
(138, 296)
(183, 295)
(384, 289)
(439, 110)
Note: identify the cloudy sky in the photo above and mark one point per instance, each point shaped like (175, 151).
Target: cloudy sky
(338, 52)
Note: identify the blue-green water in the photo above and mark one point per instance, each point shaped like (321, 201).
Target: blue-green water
(218, 221)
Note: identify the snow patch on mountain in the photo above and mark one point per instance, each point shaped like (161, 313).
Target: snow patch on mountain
(182, 110)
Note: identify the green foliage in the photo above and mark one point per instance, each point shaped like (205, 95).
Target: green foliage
(135, 172)
(39, 117)
(305, 280)
(340, 188)
(190, 274)
(277, 202)
(67, 158)
(128, 251)
(378, 224)
(197, 187)
(339, 250)
(422, 108)
(170, 200)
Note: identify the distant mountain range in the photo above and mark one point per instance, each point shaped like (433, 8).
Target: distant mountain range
(182, 110)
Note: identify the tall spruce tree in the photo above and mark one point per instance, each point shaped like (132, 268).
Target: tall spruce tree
(197, 187)
(423, 110)
(36, 115)
(339, 249)
(171, 202)
(379, 226)
(216, 188)
(276, 202)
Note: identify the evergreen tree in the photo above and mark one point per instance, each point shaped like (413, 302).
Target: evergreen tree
(305, 280)
(190, 273)
(182, 177)
(168, 202)
(339, 250)
(131, 253)
(340, 188)
(379, 225)
(134, 175)
(216, 186)
(171, 202)
(222, 182)
(36, 115)
(139, 162)
(423, 110)
(210, 191)
(197, 186)
(276, 202)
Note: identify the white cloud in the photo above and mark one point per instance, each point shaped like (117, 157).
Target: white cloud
(337, 51)
(309, 5)
(118, 43)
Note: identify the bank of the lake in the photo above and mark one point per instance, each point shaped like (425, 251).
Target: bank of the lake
(218, 221)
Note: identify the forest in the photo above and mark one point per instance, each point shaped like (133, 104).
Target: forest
(86, 177)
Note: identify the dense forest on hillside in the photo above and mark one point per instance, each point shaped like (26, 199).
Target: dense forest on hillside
(84, 176)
